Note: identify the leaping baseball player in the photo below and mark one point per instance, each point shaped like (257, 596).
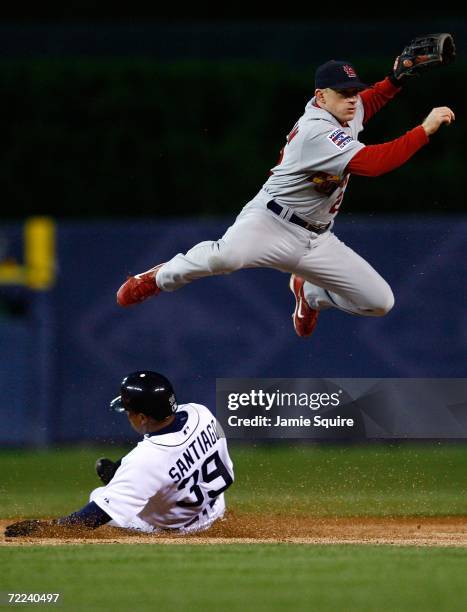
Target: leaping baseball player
(173, 480)
(288, 224)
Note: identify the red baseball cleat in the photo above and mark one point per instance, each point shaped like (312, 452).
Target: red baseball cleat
(138, 288)
(304, 317)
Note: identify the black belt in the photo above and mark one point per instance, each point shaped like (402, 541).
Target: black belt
(277, 209)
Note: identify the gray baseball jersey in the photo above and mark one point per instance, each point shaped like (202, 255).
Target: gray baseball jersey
(310, 175)
(309, 180)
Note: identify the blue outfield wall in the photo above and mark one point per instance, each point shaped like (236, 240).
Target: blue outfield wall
(62, 362)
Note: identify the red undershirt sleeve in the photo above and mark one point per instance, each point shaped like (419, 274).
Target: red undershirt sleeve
(375, 97)
(374, 160)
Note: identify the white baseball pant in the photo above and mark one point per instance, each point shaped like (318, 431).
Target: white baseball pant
(205, 520)
(336, 276)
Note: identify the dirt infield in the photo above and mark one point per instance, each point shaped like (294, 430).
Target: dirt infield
(245, 528)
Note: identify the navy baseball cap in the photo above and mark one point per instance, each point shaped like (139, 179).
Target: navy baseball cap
(337, 75)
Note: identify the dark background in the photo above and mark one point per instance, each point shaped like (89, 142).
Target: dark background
(140, 114)
(143, 134)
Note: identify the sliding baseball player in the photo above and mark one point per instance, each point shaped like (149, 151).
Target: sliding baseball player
(173, 480)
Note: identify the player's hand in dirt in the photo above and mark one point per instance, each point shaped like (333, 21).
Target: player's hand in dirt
(25, 528)
(438, 116)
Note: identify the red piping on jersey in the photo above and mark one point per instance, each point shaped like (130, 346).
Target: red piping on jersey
(377, 96)
(378, 159)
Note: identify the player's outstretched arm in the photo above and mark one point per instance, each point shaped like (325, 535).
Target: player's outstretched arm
(26, 528)
(423, 52)
(89, 517)
(377, 96)
(374, 160)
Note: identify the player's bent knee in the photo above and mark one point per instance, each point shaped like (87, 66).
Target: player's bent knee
(385, 305)
(380, 305)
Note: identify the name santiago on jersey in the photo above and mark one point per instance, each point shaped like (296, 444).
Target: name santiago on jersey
(200, 446)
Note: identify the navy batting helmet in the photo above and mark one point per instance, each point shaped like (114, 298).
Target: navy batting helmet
(146, 392)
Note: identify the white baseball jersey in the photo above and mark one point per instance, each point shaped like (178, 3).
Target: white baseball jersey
(172, 480)
(310, 176)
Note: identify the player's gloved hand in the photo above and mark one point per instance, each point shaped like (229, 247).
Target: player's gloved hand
(423, 52)
(106, 468)
(25, 528)
(400, 79)
(438, 116)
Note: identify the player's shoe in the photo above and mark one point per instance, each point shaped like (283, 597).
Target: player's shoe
(304, 317)
(138, 288)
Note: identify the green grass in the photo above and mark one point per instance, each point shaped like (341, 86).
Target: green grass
(48, 483)
(230, 578)
(377, 480)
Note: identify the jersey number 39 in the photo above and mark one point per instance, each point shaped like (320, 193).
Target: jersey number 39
(208, 474)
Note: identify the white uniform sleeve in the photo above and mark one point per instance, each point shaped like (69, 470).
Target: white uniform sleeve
(330, 150)
(129, 490)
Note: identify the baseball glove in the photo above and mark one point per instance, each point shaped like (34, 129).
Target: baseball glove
(425, 52)
(106, 468)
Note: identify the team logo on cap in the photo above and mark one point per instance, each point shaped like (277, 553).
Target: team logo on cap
(349, 71)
